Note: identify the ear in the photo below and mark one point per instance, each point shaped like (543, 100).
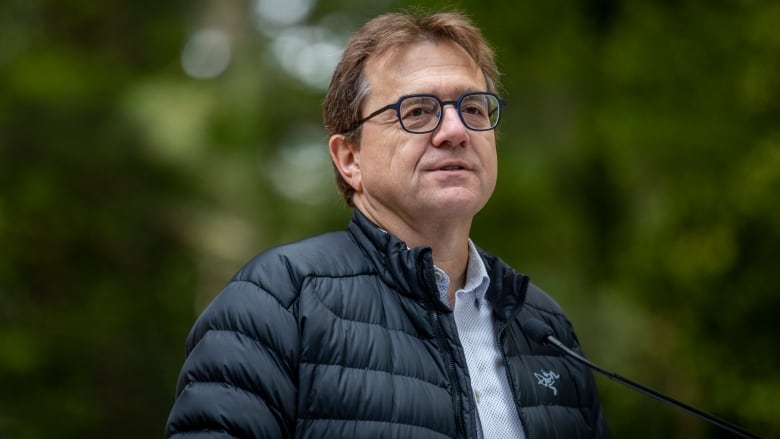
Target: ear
(346, 157)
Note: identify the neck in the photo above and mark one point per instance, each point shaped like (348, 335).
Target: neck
(452, 256)
(447, 238)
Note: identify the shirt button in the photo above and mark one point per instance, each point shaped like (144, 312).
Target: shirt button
(477, 396)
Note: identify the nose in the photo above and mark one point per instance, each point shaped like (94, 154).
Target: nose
(451, 131)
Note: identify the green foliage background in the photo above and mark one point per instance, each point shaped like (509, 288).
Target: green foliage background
(639, 172)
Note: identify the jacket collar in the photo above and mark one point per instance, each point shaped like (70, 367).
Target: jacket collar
(507, 290)
(410, 271)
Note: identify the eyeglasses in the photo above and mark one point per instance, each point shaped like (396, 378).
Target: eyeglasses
(422, 113)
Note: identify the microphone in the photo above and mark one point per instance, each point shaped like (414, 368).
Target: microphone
(541, 333)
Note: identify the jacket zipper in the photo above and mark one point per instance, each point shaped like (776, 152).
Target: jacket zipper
(459, 422)
(461, 426)
(527, 429)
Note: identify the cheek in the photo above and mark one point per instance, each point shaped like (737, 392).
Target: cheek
(490, 163)
(388, 152)
(397, 155)
(376, 165)
(489, 158)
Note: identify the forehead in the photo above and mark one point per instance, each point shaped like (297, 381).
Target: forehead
(442, 68)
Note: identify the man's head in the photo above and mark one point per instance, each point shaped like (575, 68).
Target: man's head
(382, 38)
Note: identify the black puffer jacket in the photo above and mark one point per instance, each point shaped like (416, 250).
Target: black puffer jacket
(344, 336)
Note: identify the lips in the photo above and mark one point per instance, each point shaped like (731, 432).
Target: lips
(452, 166)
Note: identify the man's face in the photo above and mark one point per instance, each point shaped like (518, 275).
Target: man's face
(448, 174)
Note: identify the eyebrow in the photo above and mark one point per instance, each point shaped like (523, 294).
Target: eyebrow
(457, 92)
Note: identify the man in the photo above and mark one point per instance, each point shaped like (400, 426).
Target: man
(399, 327)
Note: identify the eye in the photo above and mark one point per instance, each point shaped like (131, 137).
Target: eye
(417, 111)
(473, 110)
(475, 106)
(418, 108)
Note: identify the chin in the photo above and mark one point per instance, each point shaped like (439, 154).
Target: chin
(465, 208)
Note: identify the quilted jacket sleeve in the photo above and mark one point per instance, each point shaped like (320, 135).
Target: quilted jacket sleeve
(239, 375)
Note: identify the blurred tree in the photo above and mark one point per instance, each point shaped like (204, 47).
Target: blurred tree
(95, 282)
(640, 196)
(148, 150)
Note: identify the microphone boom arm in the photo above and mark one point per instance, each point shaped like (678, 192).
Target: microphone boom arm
(550, 339)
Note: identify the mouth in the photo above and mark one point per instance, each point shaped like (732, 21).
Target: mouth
(452, 166)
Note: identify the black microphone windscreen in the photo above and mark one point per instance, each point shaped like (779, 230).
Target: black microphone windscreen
(537, 330)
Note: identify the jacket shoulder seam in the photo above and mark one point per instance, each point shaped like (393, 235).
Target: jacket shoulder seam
(244, 334)
(228, 384)
(325, 305)
(557, 313)
(268, 292)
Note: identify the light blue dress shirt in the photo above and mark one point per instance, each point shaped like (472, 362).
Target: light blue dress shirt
(497, 414)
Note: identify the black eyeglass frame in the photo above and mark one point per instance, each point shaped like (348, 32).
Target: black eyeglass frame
(397, 107)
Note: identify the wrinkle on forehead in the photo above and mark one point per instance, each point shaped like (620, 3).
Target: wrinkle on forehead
(400, 68)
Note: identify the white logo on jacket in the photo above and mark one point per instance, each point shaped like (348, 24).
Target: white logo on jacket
(547, 379)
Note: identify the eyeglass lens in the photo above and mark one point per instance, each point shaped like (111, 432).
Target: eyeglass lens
(478, 111)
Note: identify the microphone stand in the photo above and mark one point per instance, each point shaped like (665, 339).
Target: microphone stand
(534, 327)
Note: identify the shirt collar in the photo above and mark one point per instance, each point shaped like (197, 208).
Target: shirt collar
(477, 279)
